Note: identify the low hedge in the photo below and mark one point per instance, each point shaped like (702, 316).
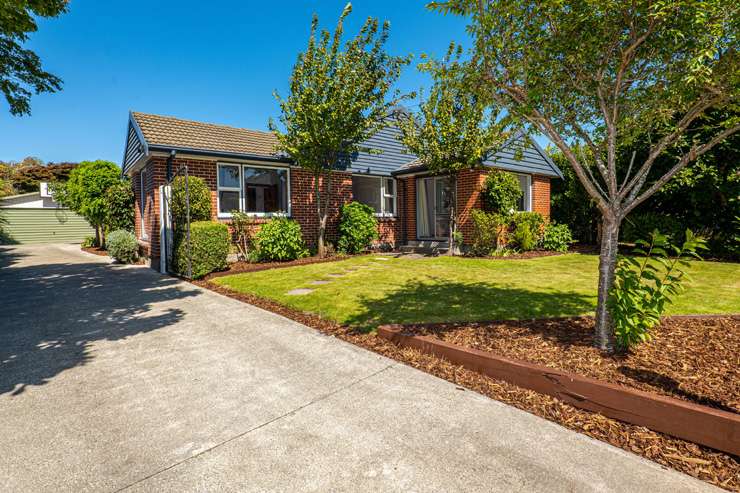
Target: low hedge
(280, 240)
(209, 248)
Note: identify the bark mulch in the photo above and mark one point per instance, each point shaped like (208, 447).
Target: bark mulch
(701, 462)
(95, 251)
(242, 267)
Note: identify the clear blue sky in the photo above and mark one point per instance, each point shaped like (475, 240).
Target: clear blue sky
(212, 61)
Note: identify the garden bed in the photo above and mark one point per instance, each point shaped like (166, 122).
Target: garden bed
(523, 255)
(701, 462)
(95, 251)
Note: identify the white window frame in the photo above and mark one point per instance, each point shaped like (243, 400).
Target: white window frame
(528, 202)
(383, 194)
(142, 204)
(240, 189)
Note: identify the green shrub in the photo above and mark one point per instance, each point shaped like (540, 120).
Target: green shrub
(501, 192)
(122, 246)
(643, 287)
(88, 242)
(523, 237)
(489, 229)
(279, 240)
(209, 248)
(640, 226)
(557, 237)
(527, 230)
(243, 226)
(200, 201)
(119, 204)
(358, 228)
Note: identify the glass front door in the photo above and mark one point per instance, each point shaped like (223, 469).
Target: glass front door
(433, 202)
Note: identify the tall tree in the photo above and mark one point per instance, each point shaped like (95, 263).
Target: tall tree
(85, 193)
(600, 72)
(455, 128)
(338, 98)
(21, 74)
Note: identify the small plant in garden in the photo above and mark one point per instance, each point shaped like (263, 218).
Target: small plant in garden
(122, 246)
(501, 192)
(358, 228)
(643, 287)
(209, 248)
(489, 231)
(557, 237)
(199, 199)
(88, 242)
(528, 229)
(280, 239)
(119, 202)
(242, 224)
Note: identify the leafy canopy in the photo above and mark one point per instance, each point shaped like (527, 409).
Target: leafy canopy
(21, 74)
(456, 127)
(338, 94)
(86, 190)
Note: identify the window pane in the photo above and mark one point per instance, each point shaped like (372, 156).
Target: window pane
(366, 190)
(228, 201)
(266, 190)
(389, 186)
(388, 205)
(523, 204)
(228, 176)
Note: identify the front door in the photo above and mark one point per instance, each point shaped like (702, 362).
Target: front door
(433, 201)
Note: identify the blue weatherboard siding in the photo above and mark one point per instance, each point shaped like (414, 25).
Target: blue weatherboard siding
(532, 160)
(393, 154)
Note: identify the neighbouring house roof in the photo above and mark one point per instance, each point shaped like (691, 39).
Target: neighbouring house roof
(520, 154)
(147, 133)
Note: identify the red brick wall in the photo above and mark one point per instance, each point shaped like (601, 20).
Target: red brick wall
(469, 184)
(407, 213)
(541, 195)
(304, 207)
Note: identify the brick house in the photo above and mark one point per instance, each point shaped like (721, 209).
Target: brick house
(245, 172)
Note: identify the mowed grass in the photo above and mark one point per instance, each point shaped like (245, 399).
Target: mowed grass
(372, 291)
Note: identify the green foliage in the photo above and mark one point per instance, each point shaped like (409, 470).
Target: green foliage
(639, 226)
(85, 191)
(339, 97)
(119, 200)
(527, 230)
(88, 242)
(501, 192)
(21, 74)
(200, 200)
(358, 228)
(243, 225)
(26, 175)
(280, 239)
(209, 248)
(557, 237)
(489, 231)
(570, 203)
(122, 246)
(642, 288)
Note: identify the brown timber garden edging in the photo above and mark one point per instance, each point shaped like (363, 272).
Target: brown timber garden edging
(699, 424)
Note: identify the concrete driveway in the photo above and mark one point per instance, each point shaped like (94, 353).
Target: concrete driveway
(116, 378)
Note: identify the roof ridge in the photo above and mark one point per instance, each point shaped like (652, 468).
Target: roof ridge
(186, 120)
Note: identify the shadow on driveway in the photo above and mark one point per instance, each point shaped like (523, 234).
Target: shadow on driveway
(52, 313)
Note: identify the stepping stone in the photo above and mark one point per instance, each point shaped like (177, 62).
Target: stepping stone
(320, 282)
(381, 258)
(299, 292)
(335, 275)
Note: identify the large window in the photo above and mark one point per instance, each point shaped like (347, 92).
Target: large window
(377, 192)
(253, 189)
(525, 201)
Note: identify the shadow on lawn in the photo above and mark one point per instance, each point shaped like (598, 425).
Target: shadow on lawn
(52, 313)
(443, 301)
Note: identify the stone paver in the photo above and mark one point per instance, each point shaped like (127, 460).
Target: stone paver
(116, 378)
(299, 292)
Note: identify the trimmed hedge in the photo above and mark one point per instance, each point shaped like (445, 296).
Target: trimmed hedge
(122, 246)
(209, 247)
(358, 228)
(280, 240)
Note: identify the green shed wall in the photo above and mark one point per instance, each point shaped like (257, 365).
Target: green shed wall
(42, 226)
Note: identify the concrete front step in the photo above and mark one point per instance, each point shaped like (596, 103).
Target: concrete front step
(428, 247)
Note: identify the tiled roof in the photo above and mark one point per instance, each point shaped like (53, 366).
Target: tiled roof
(167, 131)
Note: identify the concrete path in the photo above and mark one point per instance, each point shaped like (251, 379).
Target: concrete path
(115, 378)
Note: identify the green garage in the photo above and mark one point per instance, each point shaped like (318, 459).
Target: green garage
(37, 225)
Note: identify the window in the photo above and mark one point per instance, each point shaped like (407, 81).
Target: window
(253, 189)
(376, 192)
(525, 201)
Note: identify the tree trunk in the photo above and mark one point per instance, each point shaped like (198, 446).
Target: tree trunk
(320, 216)
(453, 215)
(98, 239)
(604, 330)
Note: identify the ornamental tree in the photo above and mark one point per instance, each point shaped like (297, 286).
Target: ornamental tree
(86, 193)
(456, 127)
(338, 98)
(21, 74)
(598, 74)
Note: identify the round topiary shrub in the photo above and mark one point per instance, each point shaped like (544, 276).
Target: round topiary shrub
(122, 246)
(557, 237)
(280, 240)
(501, 192)
(200, 200)
(209, 248)
(119, 202)
(358, 228)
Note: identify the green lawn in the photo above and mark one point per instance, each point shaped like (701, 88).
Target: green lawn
(373, 291)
